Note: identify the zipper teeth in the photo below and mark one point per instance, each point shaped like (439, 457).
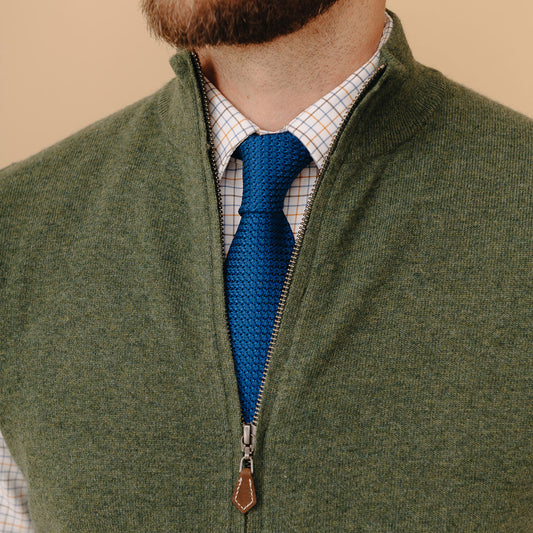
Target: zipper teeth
(299, 239)
(303, 224)
(214, 168)
(212, 158)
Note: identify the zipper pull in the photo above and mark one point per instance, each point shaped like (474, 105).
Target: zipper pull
(244, 494)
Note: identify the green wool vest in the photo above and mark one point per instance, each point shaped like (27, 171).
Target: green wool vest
(398, 397)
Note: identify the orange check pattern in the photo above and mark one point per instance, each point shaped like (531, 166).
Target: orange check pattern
(315, 127)
(14, 515)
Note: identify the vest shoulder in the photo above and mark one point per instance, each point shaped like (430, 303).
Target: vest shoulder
(59, 182)
(468, 126)
(468, 110)
(96, 142)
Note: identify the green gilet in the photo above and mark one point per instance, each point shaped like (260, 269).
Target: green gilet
(398, 397)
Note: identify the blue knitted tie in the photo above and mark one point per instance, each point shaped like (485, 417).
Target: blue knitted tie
(259, 255)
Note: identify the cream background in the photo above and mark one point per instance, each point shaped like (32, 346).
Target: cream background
(67, 63)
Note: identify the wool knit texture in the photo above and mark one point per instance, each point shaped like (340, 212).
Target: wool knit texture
(259, 255)
(315, 127)
(398, 396)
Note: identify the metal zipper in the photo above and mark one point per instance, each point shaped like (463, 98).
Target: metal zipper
(249, 430)
(300, 235)
(212, 158)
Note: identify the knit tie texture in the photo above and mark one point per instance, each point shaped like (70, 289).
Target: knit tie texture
(259, 254)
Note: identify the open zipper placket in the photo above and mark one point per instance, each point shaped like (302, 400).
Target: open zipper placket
(249, 430)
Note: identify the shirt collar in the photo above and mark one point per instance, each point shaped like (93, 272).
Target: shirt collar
(315, 127)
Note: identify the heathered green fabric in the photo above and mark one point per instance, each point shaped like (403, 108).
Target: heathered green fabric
(399, 394)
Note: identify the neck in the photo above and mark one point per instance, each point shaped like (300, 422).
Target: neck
(271, 83)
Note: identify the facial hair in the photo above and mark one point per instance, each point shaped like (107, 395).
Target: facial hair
(193, 24)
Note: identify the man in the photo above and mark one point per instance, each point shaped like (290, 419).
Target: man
(348, 352)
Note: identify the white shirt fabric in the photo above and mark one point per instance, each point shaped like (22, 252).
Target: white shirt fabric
(315, 127)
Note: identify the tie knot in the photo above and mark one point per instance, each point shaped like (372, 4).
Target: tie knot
(270, 162)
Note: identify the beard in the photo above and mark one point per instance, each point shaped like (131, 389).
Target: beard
(193, 24)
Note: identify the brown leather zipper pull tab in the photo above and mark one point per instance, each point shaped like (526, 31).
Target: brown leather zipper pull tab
(244, 494)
